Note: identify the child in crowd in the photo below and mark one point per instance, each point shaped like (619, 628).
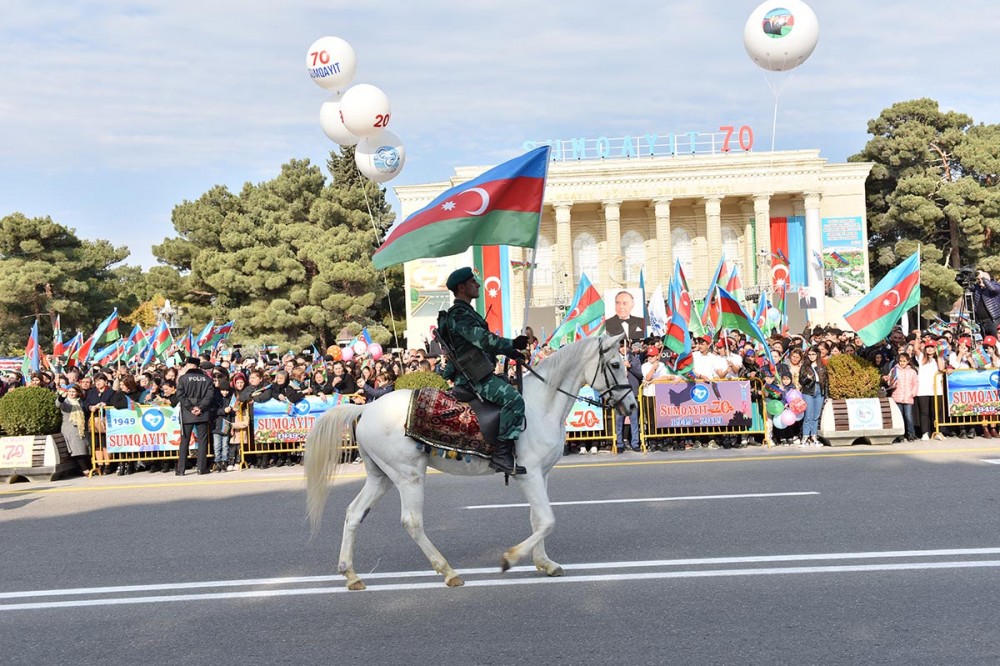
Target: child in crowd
(903, 381)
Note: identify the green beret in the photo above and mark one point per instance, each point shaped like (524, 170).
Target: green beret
(459, 276)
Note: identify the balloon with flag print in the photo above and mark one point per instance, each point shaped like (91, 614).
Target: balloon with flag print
(780, 35)
(359, 347)
(380, 158)
(330, 62)
(365, 110)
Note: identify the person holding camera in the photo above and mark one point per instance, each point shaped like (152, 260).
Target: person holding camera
(986, 302)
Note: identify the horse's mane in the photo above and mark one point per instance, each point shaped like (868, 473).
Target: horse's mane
(566, 359)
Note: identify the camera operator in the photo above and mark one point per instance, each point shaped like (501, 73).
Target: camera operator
(986, 302)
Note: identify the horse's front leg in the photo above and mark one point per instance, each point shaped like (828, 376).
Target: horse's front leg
(542, 523)
(539, 556)
(411, 497)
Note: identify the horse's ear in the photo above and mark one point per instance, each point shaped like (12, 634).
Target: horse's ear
(617, 338)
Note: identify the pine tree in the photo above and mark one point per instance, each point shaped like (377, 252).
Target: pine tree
(934, 183)
(45, 269)
(289, 259)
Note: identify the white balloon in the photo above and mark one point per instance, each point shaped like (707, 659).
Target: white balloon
(365, 110)
(331, 63)
(781, 34)
(381, 157)
(332, 123)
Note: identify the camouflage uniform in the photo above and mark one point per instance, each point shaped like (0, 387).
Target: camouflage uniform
(464, 328)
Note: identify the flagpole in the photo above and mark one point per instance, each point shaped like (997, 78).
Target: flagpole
(385, 274)
(919, 327)
(534, 249)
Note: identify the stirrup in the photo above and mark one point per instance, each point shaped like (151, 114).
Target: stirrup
(516, 470)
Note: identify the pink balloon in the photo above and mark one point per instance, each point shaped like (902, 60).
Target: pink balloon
(360, 347)
(375, 349)
(787, 417)
(348, 354)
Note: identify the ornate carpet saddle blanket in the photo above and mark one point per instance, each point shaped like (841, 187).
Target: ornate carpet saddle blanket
(444, 424)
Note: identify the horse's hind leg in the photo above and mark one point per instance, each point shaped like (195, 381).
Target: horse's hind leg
(375, 486)
(411, 496)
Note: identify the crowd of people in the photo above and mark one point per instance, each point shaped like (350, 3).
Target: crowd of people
(236, 382)
(913, 370)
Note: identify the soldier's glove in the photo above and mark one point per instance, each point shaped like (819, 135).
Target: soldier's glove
(521, 342)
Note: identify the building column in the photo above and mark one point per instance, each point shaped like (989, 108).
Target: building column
(613, 237)
(713, 232)
(814, 246)
(564, 252)
(749, 257)
(762, 225)
(664, 241)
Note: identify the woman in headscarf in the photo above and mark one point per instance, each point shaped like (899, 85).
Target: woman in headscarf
(74, 427)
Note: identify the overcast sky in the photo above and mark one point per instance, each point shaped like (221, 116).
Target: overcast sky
(114, 111)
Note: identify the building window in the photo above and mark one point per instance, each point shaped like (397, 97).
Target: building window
(733, 249)
(544, 260)
(683, 252)
(634, 249)
(585, 259)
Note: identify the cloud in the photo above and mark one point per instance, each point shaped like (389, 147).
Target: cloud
(217, 89)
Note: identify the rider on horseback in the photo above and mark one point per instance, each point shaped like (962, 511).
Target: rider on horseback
(475, 349)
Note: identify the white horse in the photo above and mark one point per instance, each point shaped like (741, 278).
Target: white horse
(392, 458)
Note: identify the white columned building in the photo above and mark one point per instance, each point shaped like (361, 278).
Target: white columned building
(607, 217)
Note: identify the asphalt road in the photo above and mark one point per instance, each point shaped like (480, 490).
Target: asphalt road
(866, 555)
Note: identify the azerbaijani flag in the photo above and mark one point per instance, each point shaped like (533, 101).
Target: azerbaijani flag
(136, 344)
(500, 207)
(587, 312)
(836, 256)
(87, 347)
(111, 329)
(206, 334)
(57, 338)
(70, 349)
(221, 333)
(32, 353)
(492, 262)
(680, 296)
(161, 340)
(109, 354)
(875, 314)
(732, 315)
(734, 285)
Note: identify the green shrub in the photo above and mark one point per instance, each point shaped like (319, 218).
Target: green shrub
(423, 379)
(852, 377)
(30, 410)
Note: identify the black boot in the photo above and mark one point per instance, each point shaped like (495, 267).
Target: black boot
(503, 459)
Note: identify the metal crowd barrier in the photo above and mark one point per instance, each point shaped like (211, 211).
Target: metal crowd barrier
(649, 431)
(250, 446)
(605, 434)
(942, 409)
(101, 458)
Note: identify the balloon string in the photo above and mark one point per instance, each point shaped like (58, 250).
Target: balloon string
(385, 274)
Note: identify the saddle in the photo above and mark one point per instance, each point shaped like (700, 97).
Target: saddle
(456, 423)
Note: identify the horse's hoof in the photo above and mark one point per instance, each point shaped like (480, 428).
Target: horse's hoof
(504, 564)
(356, 585)
(556, 571)
(455, 581)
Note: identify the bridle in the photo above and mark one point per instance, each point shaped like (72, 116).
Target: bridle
(609, 379)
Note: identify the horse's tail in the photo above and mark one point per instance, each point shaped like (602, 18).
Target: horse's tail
(323, 446)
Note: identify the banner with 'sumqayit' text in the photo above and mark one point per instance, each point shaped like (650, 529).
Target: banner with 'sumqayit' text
(276, 421)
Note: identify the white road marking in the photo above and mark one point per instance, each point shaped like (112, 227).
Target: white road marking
(506, 580)
(992, 461)
(634, 500)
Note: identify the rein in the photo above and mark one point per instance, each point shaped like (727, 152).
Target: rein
(595, 402)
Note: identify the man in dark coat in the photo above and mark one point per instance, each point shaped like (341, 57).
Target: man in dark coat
(195, 396)
(633, 370)
(475, 349)
(634, 328)
(986, 303)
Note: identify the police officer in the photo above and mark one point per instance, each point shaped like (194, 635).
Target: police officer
(475, 350)
(195, 395)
